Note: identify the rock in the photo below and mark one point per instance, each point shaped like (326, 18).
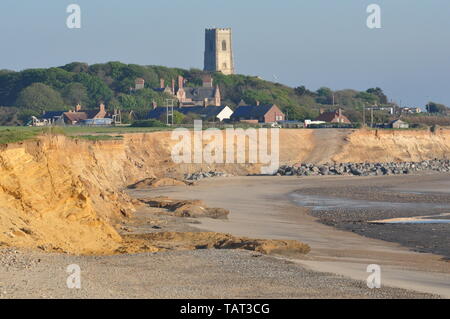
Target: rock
(365, 169)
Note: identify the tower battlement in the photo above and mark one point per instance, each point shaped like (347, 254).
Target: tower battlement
(218, 29)
(219, 50)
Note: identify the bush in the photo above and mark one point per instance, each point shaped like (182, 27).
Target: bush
(148, 123)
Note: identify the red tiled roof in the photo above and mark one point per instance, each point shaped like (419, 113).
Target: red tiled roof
(76, 116)
(332, 116)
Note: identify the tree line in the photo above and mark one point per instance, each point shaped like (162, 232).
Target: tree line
(33, 91)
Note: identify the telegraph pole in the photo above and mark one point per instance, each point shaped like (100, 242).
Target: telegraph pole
(364, 114)
(169, 111)
(371, 116)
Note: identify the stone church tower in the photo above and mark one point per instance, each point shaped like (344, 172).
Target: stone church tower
(219, 51)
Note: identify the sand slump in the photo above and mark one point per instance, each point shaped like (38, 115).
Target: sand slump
(165, 241)
(61, 194)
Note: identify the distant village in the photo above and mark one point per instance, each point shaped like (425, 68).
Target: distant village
(205, 102)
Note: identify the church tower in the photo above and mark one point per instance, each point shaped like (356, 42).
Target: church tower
(219, 51)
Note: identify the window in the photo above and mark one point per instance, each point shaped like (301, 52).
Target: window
(224, 45)
(224, 66)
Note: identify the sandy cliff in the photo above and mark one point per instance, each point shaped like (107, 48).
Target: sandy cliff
(61, 194)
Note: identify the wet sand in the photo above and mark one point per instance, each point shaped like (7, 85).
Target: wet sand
(263, 207)
(416, 221)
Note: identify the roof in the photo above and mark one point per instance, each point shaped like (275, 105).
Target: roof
(200, 93)
(209, 111)
(330, 116)
(76, 116)
(52, 114)
(206, 112)
(398, 121)
(251, 111)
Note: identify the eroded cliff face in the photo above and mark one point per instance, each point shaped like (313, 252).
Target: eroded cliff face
(394, 146)
(55, 195)
(61, 194)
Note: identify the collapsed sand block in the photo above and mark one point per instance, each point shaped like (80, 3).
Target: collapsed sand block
(164, 241)
(157, 182)
(187, 208)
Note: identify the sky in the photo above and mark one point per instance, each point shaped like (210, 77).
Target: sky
(295, 42)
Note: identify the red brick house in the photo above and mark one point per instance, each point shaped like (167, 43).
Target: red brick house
(335, 116)
(258, 113)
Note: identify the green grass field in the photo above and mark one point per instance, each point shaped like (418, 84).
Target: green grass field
(14, 134)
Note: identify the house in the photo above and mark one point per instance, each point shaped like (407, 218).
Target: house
(72, 117)
(410, 110)
(208, 113)
(258, 114)
(205, 95)
(165, 89)
(398, 124)
(79, 115)
(335, 116)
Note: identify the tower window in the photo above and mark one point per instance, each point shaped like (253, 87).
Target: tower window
(224, 66)
(224, 45)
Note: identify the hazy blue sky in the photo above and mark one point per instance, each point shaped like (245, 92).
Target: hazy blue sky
(310, 42)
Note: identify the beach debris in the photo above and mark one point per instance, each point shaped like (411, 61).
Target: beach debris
(201, 175)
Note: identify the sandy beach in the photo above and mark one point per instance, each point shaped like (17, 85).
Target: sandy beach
(263, 207)
(260, 207)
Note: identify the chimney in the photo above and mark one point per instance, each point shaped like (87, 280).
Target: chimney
(257, 103)
(321, 111)
(207, 81)
(173, 86)
(78, 108)
(102, 107)
(162, 84)
(154, 104)
(180, 82)
(340, 112)
(205, 102)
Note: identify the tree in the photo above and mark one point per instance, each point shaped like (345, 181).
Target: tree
(433, 107)
(40, 97)
(325, 96)
(75, 93)
(302, 91)
(368, 97)
(178, 117)
(379, 93)
(97, 89)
